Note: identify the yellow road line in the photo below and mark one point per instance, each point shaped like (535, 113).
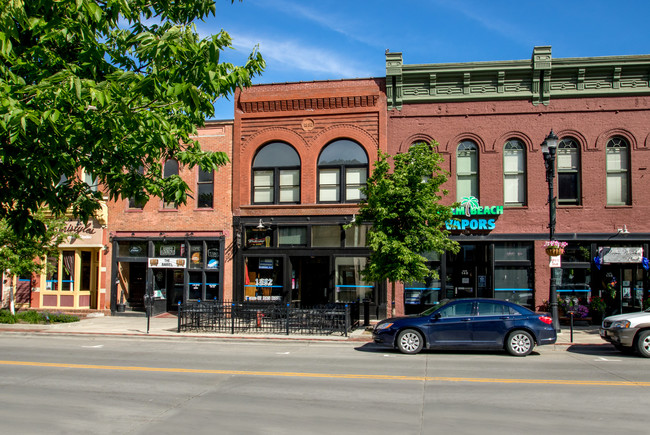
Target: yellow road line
(331, 375)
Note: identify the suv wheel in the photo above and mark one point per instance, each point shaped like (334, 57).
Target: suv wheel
(643, 343)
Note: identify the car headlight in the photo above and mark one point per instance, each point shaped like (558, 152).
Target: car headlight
(621, 324)
(382, 326)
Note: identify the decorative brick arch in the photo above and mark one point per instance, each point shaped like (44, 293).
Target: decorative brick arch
(603, 138)
(579, 137)
(417, 137)
(450, 146)
(514, 134)
(346, 131)
(273, 134)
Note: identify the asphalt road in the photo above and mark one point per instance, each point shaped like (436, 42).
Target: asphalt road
(75, 385)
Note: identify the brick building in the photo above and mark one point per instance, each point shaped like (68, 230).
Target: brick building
(178, 252)
(301, 153)
(489, 119)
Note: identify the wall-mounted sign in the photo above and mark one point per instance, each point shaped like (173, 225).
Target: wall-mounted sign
(266, 263)
(168, 250)
(258, 238)
(169, 263)
(620, 254)
(474, 216)
(89, 234)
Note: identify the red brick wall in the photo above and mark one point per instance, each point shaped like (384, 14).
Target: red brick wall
(215, 136)
(591, 121)
(308, 116)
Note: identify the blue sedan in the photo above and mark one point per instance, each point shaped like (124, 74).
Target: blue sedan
(468, 324)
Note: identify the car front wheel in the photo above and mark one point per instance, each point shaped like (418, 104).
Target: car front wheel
(519, 343)
(643, 344)
(409, 341)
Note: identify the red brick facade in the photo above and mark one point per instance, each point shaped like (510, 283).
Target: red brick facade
(187, 223)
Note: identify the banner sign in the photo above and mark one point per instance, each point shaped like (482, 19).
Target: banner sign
(169, 263)
(620, 254)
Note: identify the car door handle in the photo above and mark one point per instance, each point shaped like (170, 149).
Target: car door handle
(467, 319)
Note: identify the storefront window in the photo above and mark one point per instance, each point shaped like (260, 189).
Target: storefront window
(263, 278)
(52, 281)
(292, 236)
(577, 252)
(213, 254)
(323, 236)
(196, 255)
(514, 284)
(355, 236)
(211, 285)
(350, 287)
(574, 282)
(258, 237)
(513, 251)
(420, 295)
(195, 285)
(132, 249)
(67, 271)
(173, 249)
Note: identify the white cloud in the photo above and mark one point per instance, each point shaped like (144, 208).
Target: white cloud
(293, 55)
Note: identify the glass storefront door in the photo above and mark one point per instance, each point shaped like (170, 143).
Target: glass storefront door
(467, 272)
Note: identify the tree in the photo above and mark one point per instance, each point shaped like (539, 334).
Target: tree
(107, 88)
(407, 218)
(19, 254)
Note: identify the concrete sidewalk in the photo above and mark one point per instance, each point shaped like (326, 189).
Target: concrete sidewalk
(166, 326)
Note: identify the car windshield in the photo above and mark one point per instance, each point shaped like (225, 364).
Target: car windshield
(429, 311)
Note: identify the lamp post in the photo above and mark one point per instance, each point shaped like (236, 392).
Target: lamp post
(549, 147)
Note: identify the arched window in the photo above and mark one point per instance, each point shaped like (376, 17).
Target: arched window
(342, 172)
(514, 173)
(618, 172)
(276, 174)
(568, 172)
(170, 168)
(466, 170)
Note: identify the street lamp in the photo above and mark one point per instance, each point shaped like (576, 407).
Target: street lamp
(549, 147)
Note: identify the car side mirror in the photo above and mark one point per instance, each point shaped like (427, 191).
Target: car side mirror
(436, 316)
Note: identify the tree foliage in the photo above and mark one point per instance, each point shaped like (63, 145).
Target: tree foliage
(109, 86)
(407, 218)
(18, 252)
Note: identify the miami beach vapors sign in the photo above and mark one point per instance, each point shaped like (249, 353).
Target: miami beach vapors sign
(471, 216)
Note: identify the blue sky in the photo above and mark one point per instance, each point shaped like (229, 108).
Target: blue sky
(305, 40)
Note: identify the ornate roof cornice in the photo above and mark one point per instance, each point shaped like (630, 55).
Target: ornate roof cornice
(537, 80)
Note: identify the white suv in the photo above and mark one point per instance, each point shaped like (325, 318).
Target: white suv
(628, 332)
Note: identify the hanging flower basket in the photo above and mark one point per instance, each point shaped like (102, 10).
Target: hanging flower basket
(554, 251)
(554, 248)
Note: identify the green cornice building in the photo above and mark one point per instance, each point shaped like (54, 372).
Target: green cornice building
(537, 80)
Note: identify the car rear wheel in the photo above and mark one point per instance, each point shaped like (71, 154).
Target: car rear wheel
(519, 343)
(409, 341)
(643, 344)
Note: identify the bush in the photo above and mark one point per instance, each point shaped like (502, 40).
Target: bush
(36, 317)
(7, 317)
(32, 317)
(63, 318)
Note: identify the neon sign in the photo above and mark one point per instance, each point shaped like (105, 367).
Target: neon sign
(469, 207)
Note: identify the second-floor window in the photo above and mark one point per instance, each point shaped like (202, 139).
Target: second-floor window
(170, 168)
(514, 173)
(205, 189)
(276, 175)
(342, 172)
(618, 172)
(568, 172)
(466, 170)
